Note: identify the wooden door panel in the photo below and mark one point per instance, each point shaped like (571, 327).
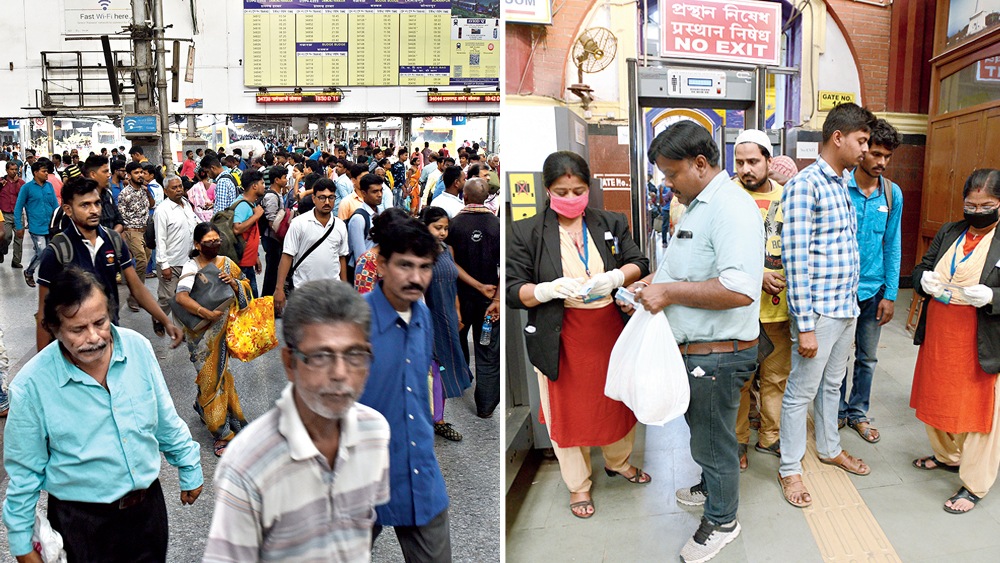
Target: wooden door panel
(937, 191)
(969, 138)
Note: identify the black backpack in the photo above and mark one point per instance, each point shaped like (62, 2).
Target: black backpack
(233, 244)
(63, 247)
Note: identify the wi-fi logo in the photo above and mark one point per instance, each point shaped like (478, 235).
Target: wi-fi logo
(104, 4)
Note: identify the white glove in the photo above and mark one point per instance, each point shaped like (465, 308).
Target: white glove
(561, 288)
(931, 283)
(607, 282)
(978, 295)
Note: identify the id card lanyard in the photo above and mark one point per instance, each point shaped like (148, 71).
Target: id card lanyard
(585, 255)
(958, 245)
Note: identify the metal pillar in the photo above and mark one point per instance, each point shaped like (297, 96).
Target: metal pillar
(161, 88)
(51, 132)
(637, 145)
(406, 132)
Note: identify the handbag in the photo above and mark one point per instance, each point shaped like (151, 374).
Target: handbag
(208, 291)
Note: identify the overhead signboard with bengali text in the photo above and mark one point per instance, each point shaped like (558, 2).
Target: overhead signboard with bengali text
(740, 31)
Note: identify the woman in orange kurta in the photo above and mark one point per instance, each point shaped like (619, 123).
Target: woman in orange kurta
(955, 379)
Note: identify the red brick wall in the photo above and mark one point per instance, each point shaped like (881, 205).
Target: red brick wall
(868, 30)
(546, 77)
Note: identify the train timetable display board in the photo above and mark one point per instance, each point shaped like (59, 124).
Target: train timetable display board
(320, 43)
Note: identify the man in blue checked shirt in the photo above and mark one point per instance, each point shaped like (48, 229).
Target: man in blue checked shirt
(89, 416)
(225, 184)
(879, 206)
(819, 247)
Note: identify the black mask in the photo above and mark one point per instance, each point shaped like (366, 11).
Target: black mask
(982, 220)
(210, 250)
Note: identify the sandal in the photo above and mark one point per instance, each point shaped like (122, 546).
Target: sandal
(921, 463)
(962, 493)
(29, 279)
(446, 430)
(791, 485)
(866, 431)
(220, 447)
(639, 478)
(848, 463)
(584, 504)
(742, 451)
(774, 449)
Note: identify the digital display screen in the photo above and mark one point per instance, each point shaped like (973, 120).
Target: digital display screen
(701, 82)
(294, 98)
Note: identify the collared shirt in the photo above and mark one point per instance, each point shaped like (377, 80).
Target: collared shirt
(40, 202)
(451, 203)
(8, 193)
(819, 246)
(324, 262)
(79, 441)
(133, 204)
(174, 224)
(720, 236)
(278, 500)
(345, 187)
(156, 189)
(225, 192)
(351, 203)
(878, 238)
(397, 388)
(98, 259)
(356, 238)
(115, 189)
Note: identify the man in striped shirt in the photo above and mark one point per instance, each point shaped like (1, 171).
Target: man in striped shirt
(301, 483)
(819, 248)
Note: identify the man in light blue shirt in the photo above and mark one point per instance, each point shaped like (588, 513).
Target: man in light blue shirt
(708, 285)
(360, 222)
(344, 182)
(89, 416)
(878, 204)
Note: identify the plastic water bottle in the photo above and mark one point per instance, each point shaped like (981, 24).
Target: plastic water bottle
(484, 338)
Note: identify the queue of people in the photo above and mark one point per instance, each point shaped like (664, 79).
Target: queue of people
(203, 239)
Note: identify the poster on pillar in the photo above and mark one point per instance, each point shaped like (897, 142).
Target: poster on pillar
(97, 16)
(475, 55)
(741, 31)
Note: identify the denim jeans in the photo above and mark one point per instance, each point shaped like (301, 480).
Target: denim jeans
(866, 337)
(38, 244)
(815, 379)
(711, 415)
(251, 275)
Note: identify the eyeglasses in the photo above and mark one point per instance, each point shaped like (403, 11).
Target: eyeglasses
(355, 359)
(324, 197)
(985, 208)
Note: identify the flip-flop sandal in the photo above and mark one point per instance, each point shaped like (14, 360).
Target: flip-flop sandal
(921, 463)
(865, 433)
(741, 450)
(639, 478)
(787, 484)
(582, 504)
(962, 493)
(774, 449)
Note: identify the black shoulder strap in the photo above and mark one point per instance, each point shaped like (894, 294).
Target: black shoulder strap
(63, 247)
(333, 224)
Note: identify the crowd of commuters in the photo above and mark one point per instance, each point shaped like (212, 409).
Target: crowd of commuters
(309, 222)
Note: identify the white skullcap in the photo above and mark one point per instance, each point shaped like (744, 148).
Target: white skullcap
(755, 136)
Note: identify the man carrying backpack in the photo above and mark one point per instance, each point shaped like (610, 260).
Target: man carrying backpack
(276, 180)
(81, 202)
(225, 184)
(360, 222)
(245, 217)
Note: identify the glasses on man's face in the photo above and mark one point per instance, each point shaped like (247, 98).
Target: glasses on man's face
(984, 208)
(324, 197)
(355, 359)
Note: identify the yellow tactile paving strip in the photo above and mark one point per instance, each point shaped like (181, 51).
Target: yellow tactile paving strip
(844, 529)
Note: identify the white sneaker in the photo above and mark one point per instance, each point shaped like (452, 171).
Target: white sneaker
(708, 541)
(692, 496)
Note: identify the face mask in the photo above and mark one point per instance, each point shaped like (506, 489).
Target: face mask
(570, 207)
(982, 220)
(210, 250)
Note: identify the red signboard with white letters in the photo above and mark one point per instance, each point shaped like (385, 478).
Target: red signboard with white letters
(988, 69)
(742, 31)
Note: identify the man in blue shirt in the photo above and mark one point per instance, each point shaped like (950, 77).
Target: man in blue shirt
(89, 417)
(225, 184)
(360, 222)
(38, 197)
(397, 387)
(878, 203)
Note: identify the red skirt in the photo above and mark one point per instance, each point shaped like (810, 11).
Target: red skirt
(580, 413)
(951, 392)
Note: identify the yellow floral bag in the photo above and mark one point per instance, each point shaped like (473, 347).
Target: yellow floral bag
(251, 331)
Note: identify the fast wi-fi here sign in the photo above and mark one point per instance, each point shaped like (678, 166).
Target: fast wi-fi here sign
(97, 16)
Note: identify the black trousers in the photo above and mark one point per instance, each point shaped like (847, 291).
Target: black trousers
(430, 543)
(101, 533)
(487, 357)
(272, 256)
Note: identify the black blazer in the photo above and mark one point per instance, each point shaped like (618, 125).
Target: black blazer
(989, 323)
(533, 257)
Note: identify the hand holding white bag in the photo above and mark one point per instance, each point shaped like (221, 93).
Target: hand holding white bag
(646, 370)
(48, 542)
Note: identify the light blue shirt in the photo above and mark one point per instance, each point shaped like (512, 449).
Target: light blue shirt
(727, 242)
(78, 441)
(356, 238)
(345, 187)
(878, 238)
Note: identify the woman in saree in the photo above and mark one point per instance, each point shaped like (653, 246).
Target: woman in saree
(217, 402)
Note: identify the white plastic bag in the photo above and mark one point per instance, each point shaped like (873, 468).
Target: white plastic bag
(647, 372)
(47, 541)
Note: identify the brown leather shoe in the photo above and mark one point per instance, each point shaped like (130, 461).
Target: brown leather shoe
(848, 463)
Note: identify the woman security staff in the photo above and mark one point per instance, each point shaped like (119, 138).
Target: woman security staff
(569, 337)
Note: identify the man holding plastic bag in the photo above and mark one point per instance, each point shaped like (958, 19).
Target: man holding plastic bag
(708, 284)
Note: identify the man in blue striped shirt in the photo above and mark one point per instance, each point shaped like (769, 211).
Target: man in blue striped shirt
(819, 247)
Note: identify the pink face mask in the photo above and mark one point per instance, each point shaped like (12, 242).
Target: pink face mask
(570, 207)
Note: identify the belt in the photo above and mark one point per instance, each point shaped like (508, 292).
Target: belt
(130, 500)
(135, 230)
(723, 347)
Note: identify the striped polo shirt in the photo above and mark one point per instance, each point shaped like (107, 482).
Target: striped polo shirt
(276, 498)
